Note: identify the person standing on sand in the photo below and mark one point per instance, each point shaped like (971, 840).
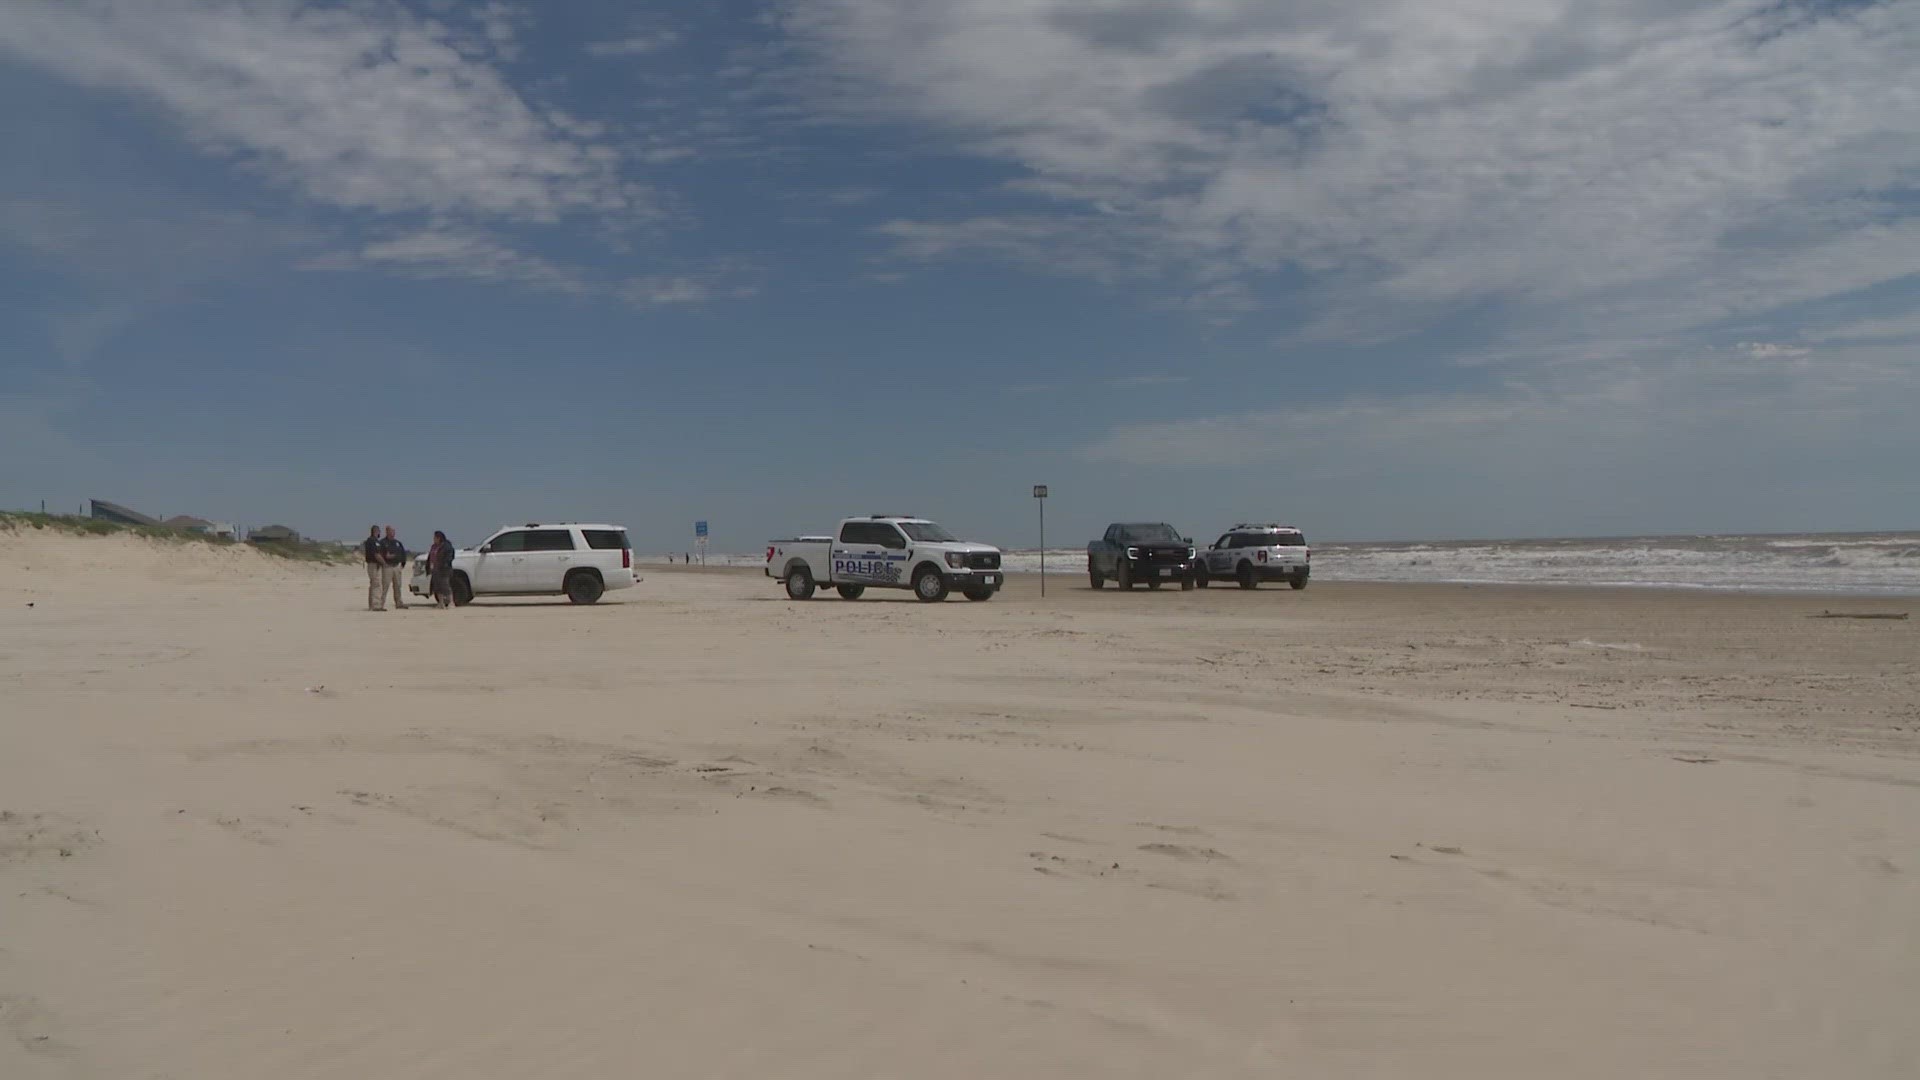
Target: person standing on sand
(440, 569)
(393, 558)
(376, 576)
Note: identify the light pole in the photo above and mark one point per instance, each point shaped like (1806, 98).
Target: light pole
(1040, 496)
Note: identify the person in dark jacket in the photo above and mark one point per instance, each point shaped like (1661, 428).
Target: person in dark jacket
(440, 569)
(376, 579)
(393, 559)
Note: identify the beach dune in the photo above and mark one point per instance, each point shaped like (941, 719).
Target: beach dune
(249, 829)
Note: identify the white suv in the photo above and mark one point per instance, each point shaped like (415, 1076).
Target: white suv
(580, 562)
(1251, 554)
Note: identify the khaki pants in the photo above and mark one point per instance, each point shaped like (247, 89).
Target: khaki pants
(376, 587)
(393, 575)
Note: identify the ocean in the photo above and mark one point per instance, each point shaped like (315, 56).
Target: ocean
(1865, 563)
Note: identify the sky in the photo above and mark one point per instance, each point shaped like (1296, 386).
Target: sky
(1382, 269)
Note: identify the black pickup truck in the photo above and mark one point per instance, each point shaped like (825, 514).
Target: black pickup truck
(1153, 554)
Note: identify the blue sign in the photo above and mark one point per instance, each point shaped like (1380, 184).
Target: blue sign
(699, 528)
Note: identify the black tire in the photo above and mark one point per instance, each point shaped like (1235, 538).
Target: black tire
(1246, 578)
(1186, 583)
(585, 587)
(930, 585)
(462, 590)
(1200, 578)
(1094, 580)
(1123, 576)
(850, 592)
(979, 596)
(799, 584)
(1299, 582)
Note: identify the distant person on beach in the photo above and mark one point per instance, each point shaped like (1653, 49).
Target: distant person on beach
(393, 559)
(376, 576)
(440, 569)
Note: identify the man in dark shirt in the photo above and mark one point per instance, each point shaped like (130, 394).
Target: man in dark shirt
(376, 578)
(393, 558)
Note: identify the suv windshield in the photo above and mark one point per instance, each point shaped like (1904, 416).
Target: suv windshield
(1149, 534)
(927, 532)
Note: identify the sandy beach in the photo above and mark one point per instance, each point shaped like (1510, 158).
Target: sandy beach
(249, 829)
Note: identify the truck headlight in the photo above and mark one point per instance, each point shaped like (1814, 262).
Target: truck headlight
(956, 559)
(1133, 554)
(1189, 554)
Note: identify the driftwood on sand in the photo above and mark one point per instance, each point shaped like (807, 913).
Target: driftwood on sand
(1898, 615)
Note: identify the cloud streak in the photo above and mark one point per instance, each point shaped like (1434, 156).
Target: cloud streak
(366, 107)
(1645, 164)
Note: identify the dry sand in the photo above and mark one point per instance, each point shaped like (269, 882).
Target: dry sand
(250, 830)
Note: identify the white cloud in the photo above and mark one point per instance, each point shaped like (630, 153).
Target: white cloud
(1774, 350)
(666, 290)
(1646, 408)
(1894, 328)
(445, 254)
(1635, 166)
(366, 107)
(687, 289)
(639, 44)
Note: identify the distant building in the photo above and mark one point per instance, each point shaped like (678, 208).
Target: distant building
(273, 534)
(200, 526)
(102, 510)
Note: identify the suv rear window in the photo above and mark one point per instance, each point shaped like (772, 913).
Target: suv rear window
(550, 540)
(1289, 540)
(606, 539)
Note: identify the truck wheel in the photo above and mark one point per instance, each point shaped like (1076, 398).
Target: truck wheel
(1247, 580)
(930, 585)
(850, 592)
(1123, 576)
(979, 596)
(1094, 580)
(1186, 583)
(462, 590)
(1200, 578)
(584, 587)
(799, 584)
(1299, 581)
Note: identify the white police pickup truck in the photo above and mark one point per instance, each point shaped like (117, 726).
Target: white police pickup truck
(886, 551)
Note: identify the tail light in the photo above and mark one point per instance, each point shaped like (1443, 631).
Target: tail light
(1309, 554)
(769, 552)
(1263, 556)
(626, 558)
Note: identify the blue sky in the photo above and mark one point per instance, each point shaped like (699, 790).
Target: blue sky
(1393, 269)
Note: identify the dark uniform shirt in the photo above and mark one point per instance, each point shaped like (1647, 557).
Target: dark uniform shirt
(393, 551)
(370, 547)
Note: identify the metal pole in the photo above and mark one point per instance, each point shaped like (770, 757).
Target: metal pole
(1043, 547)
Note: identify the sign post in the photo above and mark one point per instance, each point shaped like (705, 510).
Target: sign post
(700, 540)
(1040, 497)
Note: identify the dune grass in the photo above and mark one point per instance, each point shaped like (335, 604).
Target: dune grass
(298, 551)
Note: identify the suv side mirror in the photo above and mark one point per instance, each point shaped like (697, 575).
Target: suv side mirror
(486, 548)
